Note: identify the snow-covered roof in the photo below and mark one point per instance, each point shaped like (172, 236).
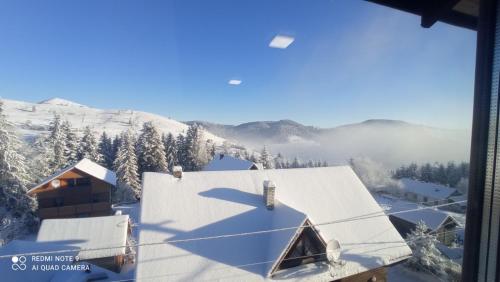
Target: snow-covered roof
(433, 218)
(87, 166)
(17, 247)
(212, 203)
(432, 190)
(88, 233)
(228, 162)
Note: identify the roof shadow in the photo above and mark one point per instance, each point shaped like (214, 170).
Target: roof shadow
(228, 249)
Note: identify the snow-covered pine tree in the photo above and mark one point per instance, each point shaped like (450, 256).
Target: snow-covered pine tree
(14, 178)
(265, 158)
(426, 256)
(170, 149)
(253, 158)
(116, 144)
(71, 143)
(295, 163)
(126, 168)
(196, 156)
(56, 142)
(150, 150)
(88, 147)
(105, 149)
(278, 161)
(181, 154)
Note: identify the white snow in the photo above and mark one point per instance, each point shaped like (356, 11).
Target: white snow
(31, 119)
(20, 247)
(227, 202)
(87, 166)
(61, 102)
(432, 190)
(228, 162)
(90, 232)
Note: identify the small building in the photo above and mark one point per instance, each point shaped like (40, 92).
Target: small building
(419, 191)
(279, 223)
(48, 265)
(228, 162)
(438, 222)
(106, 236)
(81, 190)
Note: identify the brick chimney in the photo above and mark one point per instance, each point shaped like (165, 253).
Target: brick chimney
(269, 191)
(177, 171)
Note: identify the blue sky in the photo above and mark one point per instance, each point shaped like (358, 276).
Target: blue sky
(350, 61)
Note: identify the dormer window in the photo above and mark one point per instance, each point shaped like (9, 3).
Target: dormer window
(307, 248)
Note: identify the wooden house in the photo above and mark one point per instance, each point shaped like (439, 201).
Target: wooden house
(292, 207)
(81, 190)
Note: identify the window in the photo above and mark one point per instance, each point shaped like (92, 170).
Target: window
(304, 250)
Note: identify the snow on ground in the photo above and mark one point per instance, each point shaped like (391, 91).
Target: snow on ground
(34, 118)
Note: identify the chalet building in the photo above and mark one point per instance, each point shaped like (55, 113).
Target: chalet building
(81, 190)
(308, 209)
(419, 191)
(91, 233)
(438, 222)
(10, 273)
(228, 162)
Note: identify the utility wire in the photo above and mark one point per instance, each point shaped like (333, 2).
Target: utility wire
(355, 218)
(273, 261)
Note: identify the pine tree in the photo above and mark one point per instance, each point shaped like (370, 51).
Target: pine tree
(56, 142)
(196, 156)
(278, 161)
(170, 150)
(14, 178)
(88, 147)
(295, 163)
(181, 150)
(105, 149)
(265, 159)
(116, 145)
(150, 150)
(126, 166)
(426, 256)
(71, 143)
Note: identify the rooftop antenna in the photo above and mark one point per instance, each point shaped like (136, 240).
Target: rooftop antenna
(335, 264)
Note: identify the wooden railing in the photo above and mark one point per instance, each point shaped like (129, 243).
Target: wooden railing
(81, 210)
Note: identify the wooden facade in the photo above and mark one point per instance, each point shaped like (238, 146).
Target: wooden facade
(378, 274)
(73, 194)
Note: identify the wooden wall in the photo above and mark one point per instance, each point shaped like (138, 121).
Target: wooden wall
(378, 274)
(93, 199)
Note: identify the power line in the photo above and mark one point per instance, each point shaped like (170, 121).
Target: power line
(272, 261)
(355, 218)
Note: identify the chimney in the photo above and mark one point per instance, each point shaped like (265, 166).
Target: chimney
(269, 190)
(177, 171)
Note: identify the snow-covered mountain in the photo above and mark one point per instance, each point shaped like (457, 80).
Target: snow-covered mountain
(33, 118)
(391, 142)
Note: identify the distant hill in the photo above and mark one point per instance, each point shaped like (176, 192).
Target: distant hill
(392, 142)
(31, 119)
